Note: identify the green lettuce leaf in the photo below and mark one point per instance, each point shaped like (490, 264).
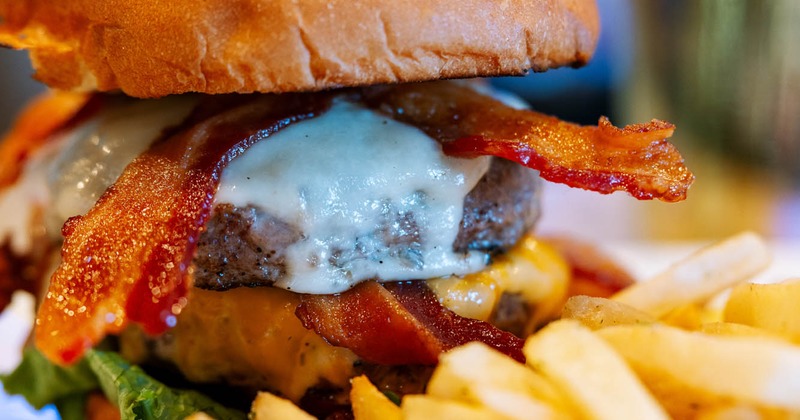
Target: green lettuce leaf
(41, 382)
(141, 397)
(72, 407)
(137, 395)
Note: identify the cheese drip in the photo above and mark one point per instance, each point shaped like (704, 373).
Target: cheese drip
(532, 269)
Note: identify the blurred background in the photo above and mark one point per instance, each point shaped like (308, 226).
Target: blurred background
(726, 72)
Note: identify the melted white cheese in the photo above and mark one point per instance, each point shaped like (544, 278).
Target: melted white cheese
(69, 174)
(98, 151)
(345, 179)
(22, 201)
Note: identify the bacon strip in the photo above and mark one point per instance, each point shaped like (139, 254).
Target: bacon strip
(637, 159)
(399, 324)
(44, 116)
(127, 259)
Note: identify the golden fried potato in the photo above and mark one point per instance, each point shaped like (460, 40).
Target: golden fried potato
(743, 412)
(590, 373)
(477, 374)
(772, 307)
(268, 406)
(740, 330)
(697, 369)
(700, 276)
(424, 407)
(596, 312)
(692, 316)
(371, 404)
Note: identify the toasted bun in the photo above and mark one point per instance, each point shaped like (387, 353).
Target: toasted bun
(152, 48)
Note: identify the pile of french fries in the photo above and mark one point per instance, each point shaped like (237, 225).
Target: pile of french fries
(663, 348)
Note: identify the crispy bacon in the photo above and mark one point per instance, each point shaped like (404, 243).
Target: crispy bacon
(637, 159)
(127, 259)
(44, 116)
(400, 324)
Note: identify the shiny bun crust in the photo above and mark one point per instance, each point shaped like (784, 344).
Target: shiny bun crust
(151, 48)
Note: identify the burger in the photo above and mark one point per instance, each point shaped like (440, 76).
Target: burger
(224, 197)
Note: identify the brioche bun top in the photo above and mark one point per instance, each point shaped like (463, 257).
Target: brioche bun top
(152, 48)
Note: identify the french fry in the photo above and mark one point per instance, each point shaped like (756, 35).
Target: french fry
(596, 312)
(692, 316)
(371, 404)
(743, 412)
(592, 375)
(726, 412)
(692, 366)
(198, 416)
(477, 374)
(740, 330)
(518, 406)
(267, 406)
(772, 307)
(700, 276)
(424, 407)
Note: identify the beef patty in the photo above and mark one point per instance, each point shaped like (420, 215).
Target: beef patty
(244, 246)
